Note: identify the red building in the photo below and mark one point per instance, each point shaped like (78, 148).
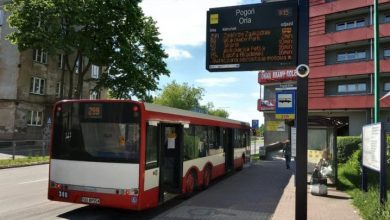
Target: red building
(341, 62)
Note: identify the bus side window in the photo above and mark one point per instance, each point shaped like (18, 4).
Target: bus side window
(202, 143)
(190, 144)
(151, 147)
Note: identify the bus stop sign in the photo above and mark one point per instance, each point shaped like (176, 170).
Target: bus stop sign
(285, 104)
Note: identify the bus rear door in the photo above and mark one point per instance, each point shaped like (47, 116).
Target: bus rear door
(171, 162)
(228, 149)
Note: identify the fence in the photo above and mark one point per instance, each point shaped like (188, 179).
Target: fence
(23, 148)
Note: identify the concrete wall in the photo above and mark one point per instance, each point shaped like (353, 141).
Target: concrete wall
(9, 60)
(7, 117)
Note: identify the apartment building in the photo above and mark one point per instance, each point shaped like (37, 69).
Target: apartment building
(341, 79)
(30, 83)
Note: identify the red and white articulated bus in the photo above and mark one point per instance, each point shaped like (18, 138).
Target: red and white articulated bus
(133, 155)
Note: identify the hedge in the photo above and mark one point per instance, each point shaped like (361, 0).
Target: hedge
(346, 146)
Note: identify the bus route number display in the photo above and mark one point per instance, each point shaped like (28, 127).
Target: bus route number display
(252, 37)
(93, 111)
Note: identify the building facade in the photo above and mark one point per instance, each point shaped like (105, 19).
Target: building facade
(341, 80)
(30, 83)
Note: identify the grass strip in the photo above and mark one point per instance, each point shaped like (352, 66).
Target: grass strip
(8, 163)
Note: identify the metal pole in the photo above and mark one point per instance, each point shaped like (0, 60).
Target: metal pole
(255, 146)
(382, 179)
(376, 64)
(382, 191)
(302, 114)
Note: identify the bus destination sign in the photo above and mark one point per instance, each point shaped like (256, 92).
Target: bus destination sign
(93, 111)
(252, 37)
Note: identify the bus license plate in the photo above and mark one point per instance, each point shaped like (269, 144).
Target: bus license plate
(88, 200)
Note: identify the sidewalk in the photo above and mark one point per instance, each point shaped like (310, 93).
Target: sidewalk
(336, 205)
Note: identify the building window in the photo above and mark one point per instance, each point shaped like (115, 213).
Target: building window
(1, 17)
(94, 72)
(58, 89)
(352, 88)
(349, 56)
(386, 53)
(60, 61)
(34, 118)
(386, 86)
(350, 25)
(37, 86)
(387, 18)
(94, 94)
(40, 56)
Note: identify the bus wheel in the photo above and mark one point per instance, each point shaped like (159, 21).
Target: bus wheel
(190, 183)
(206, 177)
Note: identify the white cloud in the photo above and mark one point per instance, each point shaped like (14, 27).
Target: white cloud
(182, 22)
(217, 82)
(177, 54)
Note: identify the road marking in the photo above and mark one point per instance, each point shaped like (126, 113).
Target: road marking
(34, 181)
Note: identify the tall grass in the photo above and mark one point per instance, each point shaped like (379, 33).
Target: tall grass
(349, 175)
(23, 161)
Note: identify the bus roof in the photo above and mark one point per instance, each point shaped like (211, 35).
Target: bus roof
(169, 110)
(164, 109)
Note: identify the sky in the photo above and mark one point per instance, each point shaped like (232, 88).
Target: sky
(182, 27)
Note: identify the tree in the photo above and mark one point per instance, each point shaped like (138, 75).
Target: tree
(112, 34)
(210, 109)
(219, 113)
(187, 97)
(261, 130)
(180, 96)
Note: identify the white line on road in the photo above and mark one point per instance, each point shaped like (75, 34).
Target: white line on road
(34, 181)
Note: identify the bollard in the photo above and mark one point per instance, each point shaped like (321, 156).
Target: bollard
(13, 149)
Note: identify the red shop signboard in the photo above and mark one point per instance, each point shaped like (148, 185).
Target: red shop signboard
(276, 76)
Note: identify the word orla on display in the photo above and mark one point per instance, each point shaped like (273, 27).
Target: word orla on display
(244, 19)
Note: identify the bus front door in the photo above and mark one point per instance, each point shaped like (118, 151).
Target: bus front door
(228, 148)
(170, 160)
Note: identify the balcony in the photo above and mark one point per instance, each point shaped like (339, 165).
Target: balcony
(345, 69)
(340, 6)
(347, 36)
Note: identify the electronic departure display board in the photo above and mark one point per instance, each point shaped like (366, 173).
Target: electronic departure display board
(252, 37)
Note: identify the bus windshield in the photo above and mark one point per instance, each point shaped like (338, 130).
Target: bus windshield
(99, 132)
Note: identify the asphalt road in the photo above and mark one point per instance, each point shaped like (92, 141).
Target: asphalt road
(252, 193)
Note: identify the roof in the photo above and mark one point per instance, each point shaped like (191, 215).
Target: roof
(169, 110)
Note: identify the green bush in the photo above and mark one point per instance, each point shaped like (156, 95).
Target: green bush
(349, 173)
(349, 176)
(346, 146)
(388, 148)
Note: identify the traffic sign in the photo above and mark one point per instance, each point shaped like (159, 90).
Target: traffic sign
(255, 124)
(285, 104)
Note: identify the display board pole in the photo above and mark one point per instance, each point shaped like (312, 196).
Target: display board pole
(302, 114)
